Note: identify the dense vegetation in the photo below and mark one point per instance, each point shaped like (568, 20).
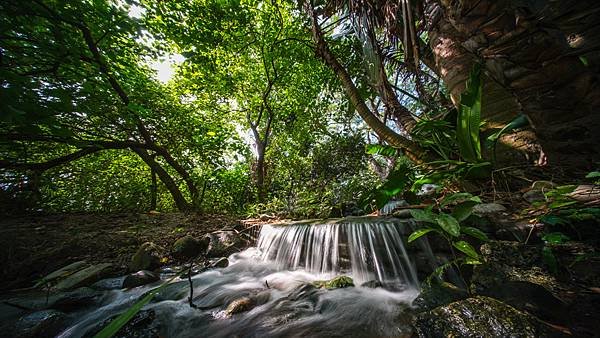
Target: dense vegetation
(300, 109)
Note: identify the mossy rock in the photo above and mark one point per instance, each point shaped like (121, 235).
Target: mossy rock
(188, 247)
(476, 317)
(147, 257)
(335, 283)
(435, 293)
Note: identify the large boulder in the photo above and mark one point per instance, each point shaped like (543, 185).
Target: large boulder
(84, 277)
(435, 293)
(223, 243)
(147, 257)
(188, 247)
(514, 273)
(476, 317)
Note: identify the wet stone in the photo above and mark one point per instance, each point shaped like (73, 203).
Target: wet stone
(188, 247)
(139, 278)
(475, 317)
(147, 257)
(143, 325)
(47, 323)
(78, 299)
(84, 277)
(109, 284)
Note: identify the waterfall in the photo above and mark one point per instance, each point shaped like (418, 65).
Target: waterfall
(367, 248)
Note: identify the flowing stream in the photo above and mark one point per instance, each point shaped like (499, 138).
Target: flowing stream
(273, 279)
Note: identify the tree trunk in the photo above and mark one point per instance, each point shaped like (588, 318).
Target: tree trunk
(260, 171)
(153, 190)
(180, 202)
(411, 149)
(545, 54)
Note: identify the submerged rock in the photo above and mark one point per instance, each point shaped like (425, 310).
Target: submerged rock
(139, 278)
(475, 317)
(335, 283)
(75, 300)
(240, 305)
(142, 325)
(47, 323)
(84, 277)
(188, 247)
(147, 257)
(109, 284)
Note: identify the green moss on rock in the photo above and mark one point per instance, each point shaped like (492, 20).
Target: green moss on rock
(335, 283)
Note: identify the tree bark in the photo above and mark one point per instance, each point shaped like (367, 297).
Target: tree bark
(153, 189)
(545, 54)
(163, 175)
(411, 149)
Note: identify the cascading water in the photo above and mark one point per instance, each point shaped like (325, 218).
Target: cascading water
(364, 248)
(273, 284)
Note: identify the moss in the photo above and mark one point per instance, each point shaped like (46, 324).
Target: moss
(335, 283)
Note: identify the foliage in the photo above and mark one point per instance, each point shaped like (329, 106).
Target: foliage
(469, 117)
(447, 223)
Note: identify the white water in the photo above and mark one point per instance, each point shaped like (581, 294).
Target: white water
(286, 258)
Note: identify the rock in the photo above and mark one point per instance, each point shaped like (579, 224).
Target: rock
(402, 213)
(142, 325)
(188, 247)
(147, 257)
(84, 277)
(476, 317)
(75, 300)
(532, 196)
(372, 284)
(335, 283)
(435, 293)
(65, 271)
(222, 262)
(240, 305)
(223, 243)
(47, 323)
(305, 290)
(109, 284)
(139, 278)
(488, 208)
(512, 272)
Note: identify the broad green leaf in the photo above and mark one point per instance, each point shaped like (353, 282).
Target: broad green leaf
(549, 259)
(553, 220)
(419, 233)
(448, 224)
(518, 122)
(464, 210)
(593, 174)
(474, 232)
(379, 149)
(469, 117)
(466, 248)
(423, 215)
(459, 196)
(555, 238)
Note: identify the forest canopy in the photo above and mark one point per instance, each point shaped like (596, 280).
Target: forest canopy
(295, 108)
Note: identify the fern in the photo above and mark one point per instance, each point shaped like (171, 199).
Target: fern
(469, 117)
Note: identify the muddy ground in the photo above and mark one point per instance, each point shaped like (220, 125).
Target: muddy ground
(33, 246)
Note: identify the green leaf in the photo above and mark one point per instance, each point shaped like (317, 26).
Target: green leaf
(379, 149)
(555, 238)
(474, 232)
(472, 261)
(549, 259)
(116, 324)
(459, 196)
(593, 174)
(463, 210)
(448, 224)
(423, 215)
(419, 233)
(469, 117)
(553, 220)
(518, 122)
(466, 248)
